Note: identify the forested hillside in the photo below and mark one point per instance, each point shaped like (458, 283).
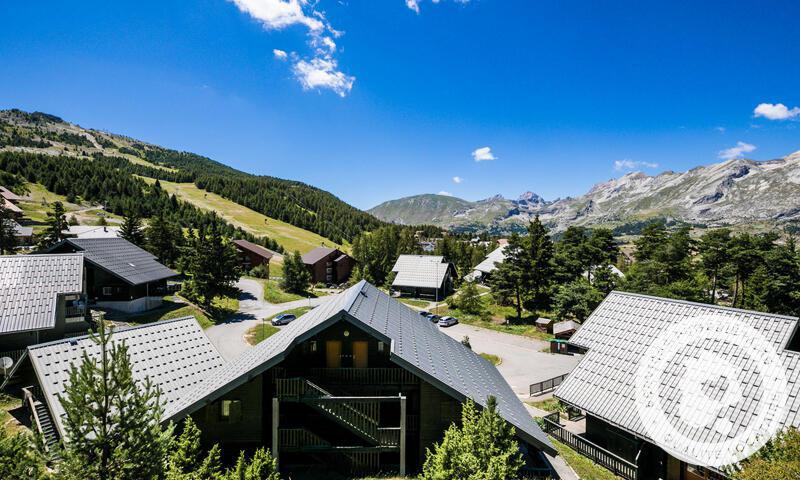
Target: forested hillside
(293, 202)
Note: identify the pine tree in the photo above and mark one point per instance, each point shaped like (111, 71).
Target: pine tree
(296, 277)
(132, 230)
(714, 249)
(56, 224)
(539, 253)
(576, 300)
(483, 448)
(779, 459)
(469, 299)
(260, 467)
(112, 421)
(19, 457)
(8, 239)
(164, 240)
(213, 264)
(507, 279)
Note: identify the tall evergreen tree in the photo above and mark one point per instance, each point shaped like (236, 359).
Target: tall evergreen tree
(539, 254)
(296, 277)
(20, 458)
(132, 229)
(714, 249)
(507, 280)
(164, 239)
(8, 238)
(213, 264)
(56, 224)
(484, 448)
(112, 421)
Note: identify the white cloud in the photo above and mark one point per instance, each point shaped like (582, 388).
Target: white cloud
(322, 73)
(776, 111)
(414, 4)
(735, 152)
(278, 14)
(628, 164)
(483, 154)
(318, 70)
(457, 179)
(720, 129)
(446, 194)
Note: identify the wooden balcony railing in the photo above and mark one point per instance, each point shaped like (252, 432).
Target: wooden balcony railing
(363, 376)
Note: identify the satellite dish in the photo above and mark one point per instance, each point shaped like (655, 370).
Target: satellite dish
(6, 363)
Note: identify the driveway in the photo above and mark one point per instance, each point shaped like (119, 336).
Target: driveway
(523, 362)
(228, 336)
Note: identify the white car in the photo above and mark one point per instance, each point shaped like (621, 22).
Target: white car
(447, 321)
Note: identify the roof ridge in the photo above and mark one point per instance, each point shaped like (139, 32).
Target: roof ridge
(357, 289)
(699, 304)
(49, 255)
(117, 330)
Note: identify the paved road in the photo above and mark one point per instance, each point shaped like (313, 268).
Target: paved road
(523, 362)
(228, 337)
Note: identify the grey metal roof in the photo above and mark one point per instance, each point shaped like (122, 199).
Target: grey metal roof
(565, 326)
(416, 345)
(489, 264)
(29, 289)
(317, 254)
(624, 326)
(10, 206)
(91, 231)
(174, 354)
(121, 258)
(255, 248)
(21, 231)
(8, 194)
(544, 321)
(421, 271)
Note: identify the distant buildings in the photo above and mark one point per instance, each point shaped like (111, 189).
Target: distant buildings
(428, 276)
(712, 391)
(119, 275)
(484, 270)
(252, 255)
(42, 298)
(24, 235)
(329, 265)
(9, 200)
(565, 329)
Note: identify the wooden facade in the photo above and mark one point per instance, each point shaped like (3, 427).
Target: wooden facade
(336, 401)
(329, 266)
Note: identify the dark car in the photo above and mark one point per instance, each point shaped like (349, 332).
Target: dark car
(425, 313)
(447, 321)
(434, 318)
(283, 319)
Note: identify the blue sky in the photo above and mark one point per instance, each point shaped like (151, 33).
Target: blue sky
(377, 99)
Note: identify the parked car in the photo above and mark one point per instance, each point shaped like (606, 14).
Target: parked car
(447, 321)
(425, 313)
(434, 318)
(283, 319)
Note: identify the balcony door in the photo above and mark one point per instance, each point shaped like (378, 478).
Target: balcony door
(333, 353)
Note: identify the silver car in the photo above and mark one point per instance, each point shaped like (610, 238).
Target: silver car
(447, 321)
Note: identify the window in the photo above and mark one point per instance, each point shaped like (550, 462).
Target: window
(230, 410)
(108, 291)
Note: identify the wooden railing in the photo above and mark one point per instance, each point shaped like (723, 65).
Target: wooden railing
(363, 376)
(547, 385)
(616, 464)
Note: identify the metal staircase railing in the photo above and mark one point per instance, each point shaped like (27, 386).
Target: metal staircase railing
(41, 418)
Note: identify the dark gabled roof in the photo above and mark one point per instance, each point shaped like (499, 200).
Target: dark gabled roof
(317, 254)
(254, 248)
(29, 288)
(174, 354)
(622, 329)
(121, 258)
(416, 345)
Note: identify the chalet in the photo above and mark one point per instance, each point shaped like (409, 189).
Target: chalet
(427, 276)
(24, 235)
(564, 329)
(329, 265)
(618, 335)
(119, 275)
(9, 200)
(252, 255)
(41, 299)
(484, 270)
(359, 384)
(91, 231)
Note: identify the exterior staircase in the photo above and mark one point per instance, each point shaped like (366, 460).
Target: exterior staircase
(42, 420)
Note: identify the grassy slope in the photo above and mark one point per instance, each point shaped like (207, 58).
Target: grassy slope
(173, 309)
(39, 201)
(292, 238)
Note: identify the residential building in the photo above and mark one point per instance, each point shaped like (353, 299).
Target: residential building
(329, 265)
(252, 255)
(91, 231)
(429, 276)
(175, 355)
(483, 271)
(24, 235)
(9, 200)
(361, 384)
(42, 298)
(119, 275)
(624, 328)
